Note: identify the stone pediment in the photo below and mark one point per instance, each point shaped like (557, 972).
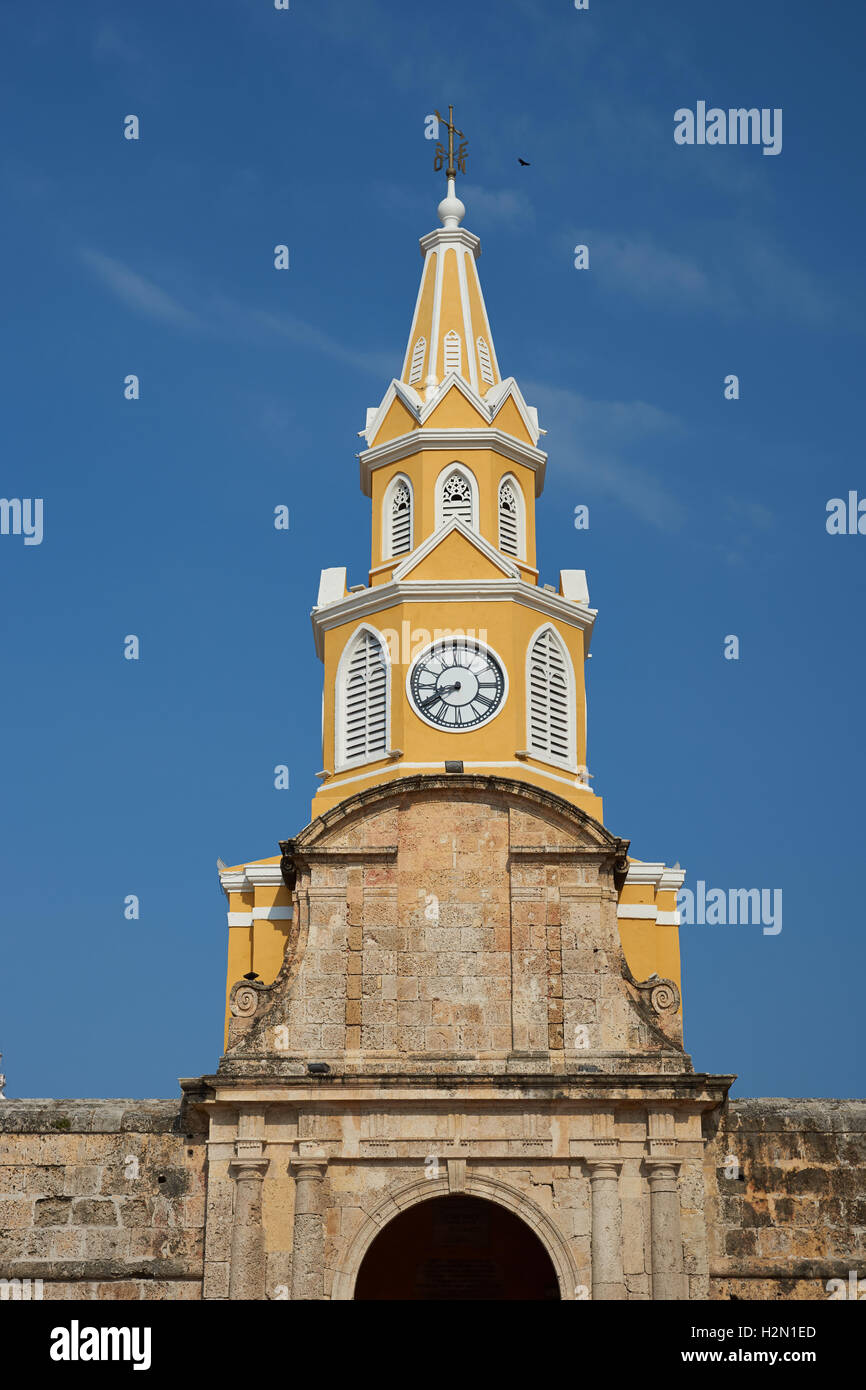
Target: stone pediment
(454, 920)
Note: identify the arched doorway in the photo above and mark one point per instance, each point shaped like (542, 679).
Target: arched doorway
(456, 1248)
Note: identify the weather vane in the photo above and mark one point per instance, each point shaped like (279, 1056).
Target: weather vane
(439, 159)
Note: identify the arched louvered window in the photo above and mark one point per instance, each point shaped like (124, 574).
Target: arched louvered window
(550, 700)
(397, 530)
(362, 700)
(484, 361)
(510, 518)
(457, 499)
(417, 365)
(453, 352)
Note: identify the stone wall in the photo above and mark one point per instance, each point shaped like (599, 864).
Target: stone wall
(102, 1198)
(795, 1216)
(454, 917)
(106, 1199)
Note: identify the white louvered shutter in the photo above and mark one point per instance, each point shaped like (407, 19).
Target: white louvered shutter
(453, 352)
(457, 498)
(509, 519)
(484, 361)
(549, 721)
(401, 519)
(364, 709)
(417, 366)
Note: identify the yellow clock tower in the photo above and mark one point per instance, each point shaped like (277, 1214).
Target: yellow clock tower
(454, 989)
(453, 653)
(452, 659)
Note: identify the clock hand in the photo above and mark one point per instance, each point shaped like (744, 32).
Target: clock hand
(441, 690)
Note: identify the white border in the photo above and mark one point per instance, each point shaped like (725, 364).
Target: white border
(442, 728)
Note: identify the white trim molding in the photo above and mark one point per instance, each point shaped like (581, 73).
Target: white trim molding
(454, 442)
(260, 914)
(438, 766)
(410, 562)
(657, 876)
(662, 880)
(395, 592)
(251, 876)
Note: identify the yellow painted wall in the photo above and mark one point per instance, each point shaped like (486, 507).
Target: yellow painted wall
(408, 626)
(421, 323)
(423, 470)
(261, 945)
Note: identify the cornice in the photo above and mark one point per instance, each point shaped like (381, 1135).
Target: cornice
(450, 236)
(249, 877)
(453, 440)
(355, 607)
(686, 1090)
(657, 876)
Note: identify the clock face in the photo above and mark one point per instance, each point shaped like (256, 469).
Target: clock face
(456, 685)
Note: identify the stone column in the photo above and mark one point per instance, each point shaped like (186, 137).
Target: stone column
(667, 1240)
(308, 1244)
(247, 1269)
(608, 1281)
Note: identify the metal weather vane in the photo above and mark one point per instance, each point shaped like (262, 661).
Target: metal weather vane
(460, 155)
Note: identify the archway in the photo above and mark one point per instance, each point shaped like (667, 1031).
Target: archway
(460, 1249)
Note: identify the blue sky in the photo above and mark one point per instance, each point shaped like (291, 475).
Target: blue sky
(707, 516)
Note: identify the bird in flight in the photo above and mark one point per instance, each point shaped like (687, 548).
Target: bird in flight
(524, 162)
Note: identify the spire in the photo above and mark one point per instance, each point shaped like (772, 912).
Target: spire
(450, 329)
(451, 210)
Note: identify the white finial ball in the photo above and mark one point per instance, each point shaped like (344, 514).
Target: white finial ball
(451, 210)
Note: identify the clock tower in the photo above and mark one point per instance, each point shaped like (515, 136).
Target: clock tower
(453, 652)
(454, 1062)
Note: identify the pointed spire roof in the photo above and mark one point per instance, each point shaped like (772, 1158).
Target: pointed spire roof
(450, 328)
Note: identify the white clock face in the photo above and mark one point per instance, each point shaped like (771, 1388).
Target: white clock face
(456, 685)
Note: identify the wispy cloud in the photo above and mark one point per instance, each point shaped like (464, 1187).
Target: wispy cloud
(738, 271)
(780, 282)
(217, 315)
(136, 291)
(111, 43)
(649, 271)
(593, 440)
(501, 207)
(267, 325)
